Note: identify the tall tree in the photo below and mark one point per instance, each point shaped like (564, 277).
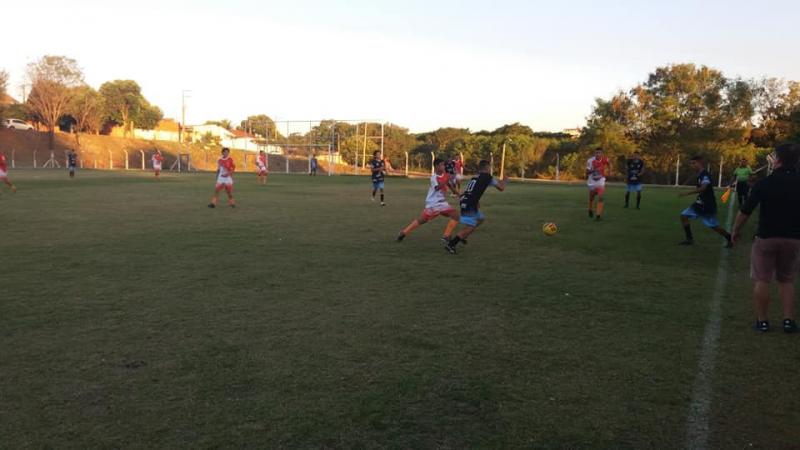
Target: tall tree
(52, 79)
(88, 110)
(260, 124)
(126, 105)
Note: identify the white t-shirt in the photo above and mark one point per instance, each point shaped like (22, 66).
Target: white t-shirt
(436, 192)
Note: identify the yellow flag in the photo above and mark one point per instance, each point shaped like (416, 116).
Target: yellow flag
(726, 195)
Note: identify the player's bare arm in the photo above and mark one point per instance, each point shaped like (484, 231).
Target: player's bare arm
(741, 219)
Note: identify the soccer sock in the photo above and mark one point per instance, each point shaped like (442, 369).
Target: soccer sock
(600, 208)
(451, 225)
(381, 196)
(455, 241)
(638, 199)
(373, 194)
(411, 227)
(591, 202)
(688, 230)
(627, 198)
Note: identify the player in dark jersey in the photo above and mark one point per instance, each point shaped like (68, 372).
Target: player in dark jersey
(378, 167)
(635, 172)
(471, 217)
(450, 170)
(72, 162)
(704, 207)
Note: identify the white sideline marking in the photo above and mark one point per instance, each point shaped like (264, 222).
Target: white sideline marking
(698, 428)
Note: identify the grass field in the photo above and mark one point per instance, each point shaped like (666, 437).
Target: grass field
(134, 316)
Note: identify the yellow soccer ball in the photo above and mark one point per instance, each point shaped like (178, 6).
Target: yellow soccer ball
(549, 229)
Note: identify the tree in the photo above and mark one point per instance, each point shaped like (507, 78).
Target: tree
(260, 124)
(126, 106)
(52, 79)
(88, 109)
(224, 123)
(3, 82)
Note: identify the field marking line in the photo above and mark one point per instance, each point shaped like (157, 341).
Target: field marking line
(698, 428)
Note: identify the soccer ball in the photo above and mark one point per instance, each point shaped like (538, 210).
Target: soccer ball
(549, 229)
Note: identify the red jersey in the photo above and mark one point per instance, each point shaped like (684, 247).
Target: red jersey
(262, 161)
(3, 165)
(226, 166)
(158, 158)
(459, 167)
(597, 167)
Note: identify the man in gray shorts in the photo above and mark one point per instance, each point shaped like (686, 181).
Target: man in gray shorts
(776, 251)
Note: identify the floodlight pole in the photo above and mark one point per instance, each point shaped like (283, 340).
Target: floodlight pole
(678, 171)
(382, 128)
(406, 163)
(721, 162)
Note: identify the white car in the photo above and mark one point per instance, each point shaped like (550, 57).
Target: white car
(17, 124)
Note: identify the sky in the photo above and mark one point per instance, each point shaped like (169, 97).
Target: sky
(418, 64)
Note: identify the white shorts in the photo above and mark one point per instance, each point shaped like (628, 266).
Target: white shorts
(225, 180)
(3, 173)
(156, 166)
(596, 184)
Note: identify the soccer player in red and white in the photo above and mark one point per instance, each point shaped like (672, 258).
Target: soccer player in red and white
(225, 169)
(4, 173)
(596, 169)
(459, 171)
(261, 167)
(157, 160)
(436, 203)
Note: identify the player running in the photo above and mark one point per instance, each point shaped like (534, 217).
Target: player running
(157, 159)
(596, 168)
(704, 207)
(436, 203)
(471, 217)
(635, 172)
(72, 162)
(4, 173)
(262, 167)
(225, 169)
(378, 168)
(450, 169)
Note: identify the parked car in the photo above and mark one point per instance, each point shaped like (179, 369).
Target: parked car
(17, 124)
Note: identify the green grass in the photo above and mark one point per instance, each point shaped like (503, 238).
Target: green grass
(133, 316)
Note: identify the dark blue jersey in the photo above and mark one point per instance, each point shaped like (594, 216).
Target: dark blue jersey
(706, 203)
(72, 159)
(470, 199)
(635, 168)
(450, 167)
(378, 170)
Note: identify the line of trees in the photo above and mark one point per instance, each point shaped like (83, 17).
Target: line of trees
(678, 111)
(60, 98)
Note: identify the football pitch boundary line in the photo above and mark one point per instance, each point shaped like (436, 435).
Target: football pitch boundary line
(698, 427)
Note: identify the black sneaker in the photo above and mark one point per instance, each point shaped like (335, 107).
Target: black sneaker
(450, 249)
(445, 239)
(626, 206)
(729, 244)
(401, 236)
(598, 218)
(789, 326)
(211, 205)
(591, 214)
(761, 325)
(686, 242)
(232, 206)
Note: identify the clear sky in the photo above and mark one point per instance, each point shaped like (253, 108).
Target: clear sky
(420, 64)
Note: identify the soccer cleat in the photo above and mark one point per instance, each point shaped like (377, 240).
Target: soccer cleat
(761, 325)
(591, 214)
(729, 244)
(445, 239)
(232, 206)
(598, 218)
(373, 199)
(450, 249)
(626, 206)
(789, 326)
(211, 205)
(401, 236)
(686, 242)
(383, 204)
